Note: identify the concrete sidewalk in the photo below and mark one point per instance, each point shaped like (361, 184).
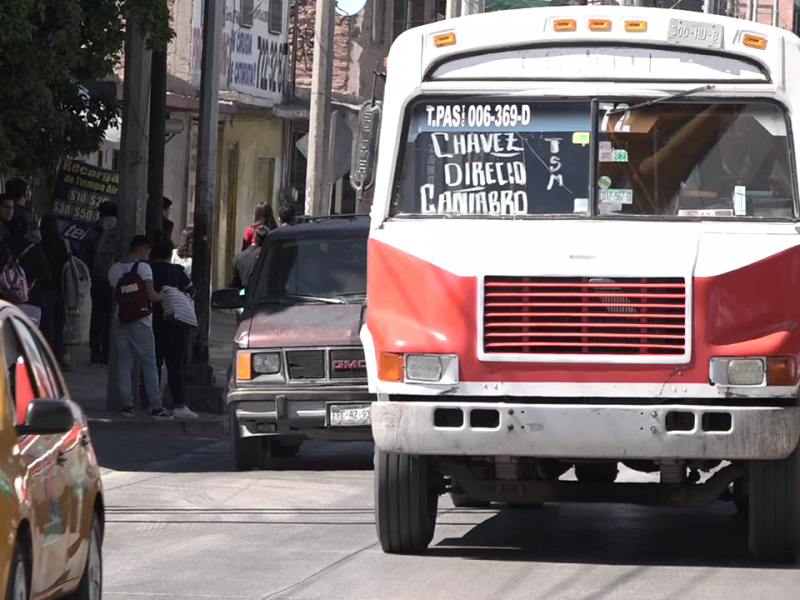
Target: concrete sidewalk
(87, 386)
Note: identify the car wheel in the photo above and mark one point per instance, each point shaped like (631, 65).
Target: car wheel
(405, 503)
(18, 577)
(91, 587)
(280, 449)
(774, 507)
(247, 452)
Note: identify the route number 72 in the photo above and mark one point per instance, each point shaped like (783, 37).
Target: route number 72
(620, 125)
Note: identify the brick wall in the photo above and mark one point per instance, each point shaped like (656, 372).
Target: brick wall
(307, 14)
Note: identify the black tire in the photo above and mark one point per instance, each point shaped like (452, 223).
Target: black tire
(279, 449)
(247, 452)
(774, 506)
(405, 503)
(740, 499)
(91, 587)
(465, 501)
(596, 472)
(18, 576)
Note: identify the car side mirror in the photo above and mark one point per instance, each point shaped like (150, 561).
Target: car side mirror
(46, 416)
(227, 298)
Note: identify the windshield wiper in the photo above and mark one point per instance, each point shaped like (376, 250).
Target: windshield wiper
(666, 98)
(314, 298)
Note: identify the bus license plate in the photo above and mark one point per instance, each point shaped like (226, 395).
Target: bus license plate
(350, 415)
(692, 33)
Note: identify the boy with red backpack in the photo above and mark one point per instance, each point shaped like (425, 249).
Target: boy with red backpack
(132, 282)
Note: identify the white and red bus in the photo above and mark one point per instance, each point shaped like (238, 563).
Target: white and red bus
(584, 253)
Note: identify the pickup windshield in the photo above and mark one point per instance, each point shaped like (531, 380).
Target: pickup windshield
(313, 270)
(669, 159)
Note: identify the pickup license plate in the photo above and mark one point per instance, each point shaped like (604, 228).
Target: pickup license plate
(692, 33)
(350, 415)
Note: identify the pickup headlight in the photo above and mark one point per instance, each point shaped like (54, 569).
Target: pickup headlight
(267, 363)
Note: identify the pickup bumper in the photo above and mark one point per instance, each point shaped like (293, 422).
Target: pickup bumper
(678, 431)
(298, 411)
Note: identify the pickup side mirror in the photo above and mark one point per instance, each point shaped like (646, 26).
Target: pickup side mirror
(46, 416)
(227, 298)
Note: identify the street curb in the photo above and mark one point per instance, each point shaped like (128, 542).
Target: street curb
(213, 426)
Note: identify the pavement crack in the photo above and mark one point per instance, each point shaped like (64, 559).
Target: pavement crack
(320, 571)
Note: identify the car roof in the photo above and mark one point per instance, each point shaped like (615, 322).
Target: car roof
(323, 226)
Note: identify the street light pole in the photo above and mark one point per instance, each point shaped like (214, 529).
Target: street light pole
(206, 182)
(320, 110)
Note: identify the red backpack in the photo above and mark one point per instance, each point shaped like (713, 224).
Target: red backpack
(132, 296)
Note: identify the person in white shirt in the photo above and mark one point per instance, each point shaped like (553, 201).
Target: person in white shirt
(136, 338)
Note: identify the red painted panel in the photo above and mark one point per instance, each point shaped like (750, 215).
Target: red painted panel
(415, 306)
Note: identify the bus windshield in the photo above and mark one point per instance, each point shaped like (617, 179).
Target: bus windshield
(527, 159)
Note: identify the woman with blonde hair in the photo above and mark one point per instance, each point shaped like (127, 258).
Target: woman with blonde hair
(182, 255)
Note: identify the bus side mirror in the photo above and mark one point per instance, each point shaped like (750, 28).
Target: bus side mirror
(365, 147)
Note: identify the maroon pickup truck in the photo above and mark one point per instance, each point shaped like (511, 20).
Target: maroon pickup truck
(298, 370)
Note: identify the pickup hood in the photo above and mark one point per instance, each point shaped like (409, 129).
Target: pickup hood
(305, 325)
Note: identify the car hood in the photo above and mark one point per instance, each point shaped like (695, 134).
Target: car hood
(305, 325)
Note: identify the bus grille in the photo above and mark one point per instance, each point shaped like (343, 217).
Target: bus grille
(583, 315)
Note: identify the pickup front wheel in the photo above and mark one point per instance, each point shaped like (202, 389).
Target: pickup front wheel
(405, 502)
(247, 452)
(774, 507)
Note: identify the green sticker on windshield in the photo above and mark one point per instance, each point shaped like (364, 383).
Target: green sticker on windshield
(581, 138)
(5, 485)
(619, 155)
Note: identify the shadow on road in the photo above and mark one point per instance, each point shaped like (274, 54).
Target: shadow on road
(148, 453)
(608, 534)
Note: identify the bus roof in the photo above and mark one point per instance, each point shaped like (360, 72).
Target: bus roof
(684, 33)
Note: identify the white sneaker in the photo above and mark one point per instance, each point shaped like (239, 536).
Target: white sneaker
(184, 412)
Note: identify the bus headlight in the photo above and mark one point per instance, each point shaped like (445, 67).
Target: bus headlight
(431, 368)
(753, 371)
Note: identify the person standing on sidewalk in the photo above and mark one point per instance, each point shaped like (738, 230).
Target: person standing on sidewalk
(182, 255)
(132, 281)
(98, 252)
(245, 262)
(54, 317)
(172, 340)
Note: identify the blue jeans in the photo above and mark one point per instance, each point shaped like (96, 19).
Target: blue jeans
(136, 339)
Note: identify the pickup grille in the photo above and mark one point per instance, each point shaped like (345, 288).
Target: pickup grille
(582, 315)
(348, 364)
(306, 364)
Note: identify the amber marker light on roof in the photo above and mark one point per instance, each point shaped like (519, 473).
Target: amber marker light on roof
(444, 39)
(635, 25)
(564, 25)
(599, 25)
(754, 41)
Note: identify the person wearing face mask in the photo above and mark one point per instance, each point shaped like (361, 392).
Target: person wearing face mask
(98, 251)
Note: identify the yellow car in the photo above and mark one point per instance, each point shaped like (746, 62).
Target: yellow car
(51, 500)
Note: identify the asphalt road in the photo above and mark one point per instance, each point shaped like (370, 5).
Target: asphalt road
(182, 524)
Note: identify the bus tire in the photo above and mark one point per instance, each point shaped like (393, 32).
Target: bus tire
(405, 503)
(774, 507)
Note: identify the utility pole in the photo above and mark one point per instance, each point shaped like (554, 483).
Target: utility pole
(320, 113)
(158, 122)
(776, 16)
(451, 9)
(133, 170)
(206, 182)
(753, 10)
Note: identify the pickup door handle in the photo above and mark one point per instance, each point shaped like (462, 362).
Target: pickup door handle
(62, 458)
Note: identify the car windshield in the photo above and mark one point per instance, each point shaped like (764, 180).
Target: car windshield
(314, 270)
(669, 159)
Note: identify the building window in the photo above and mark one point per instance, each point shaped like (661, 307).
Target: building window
(399, 17)
(246, 10)
(276, 16)
(378, 21)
